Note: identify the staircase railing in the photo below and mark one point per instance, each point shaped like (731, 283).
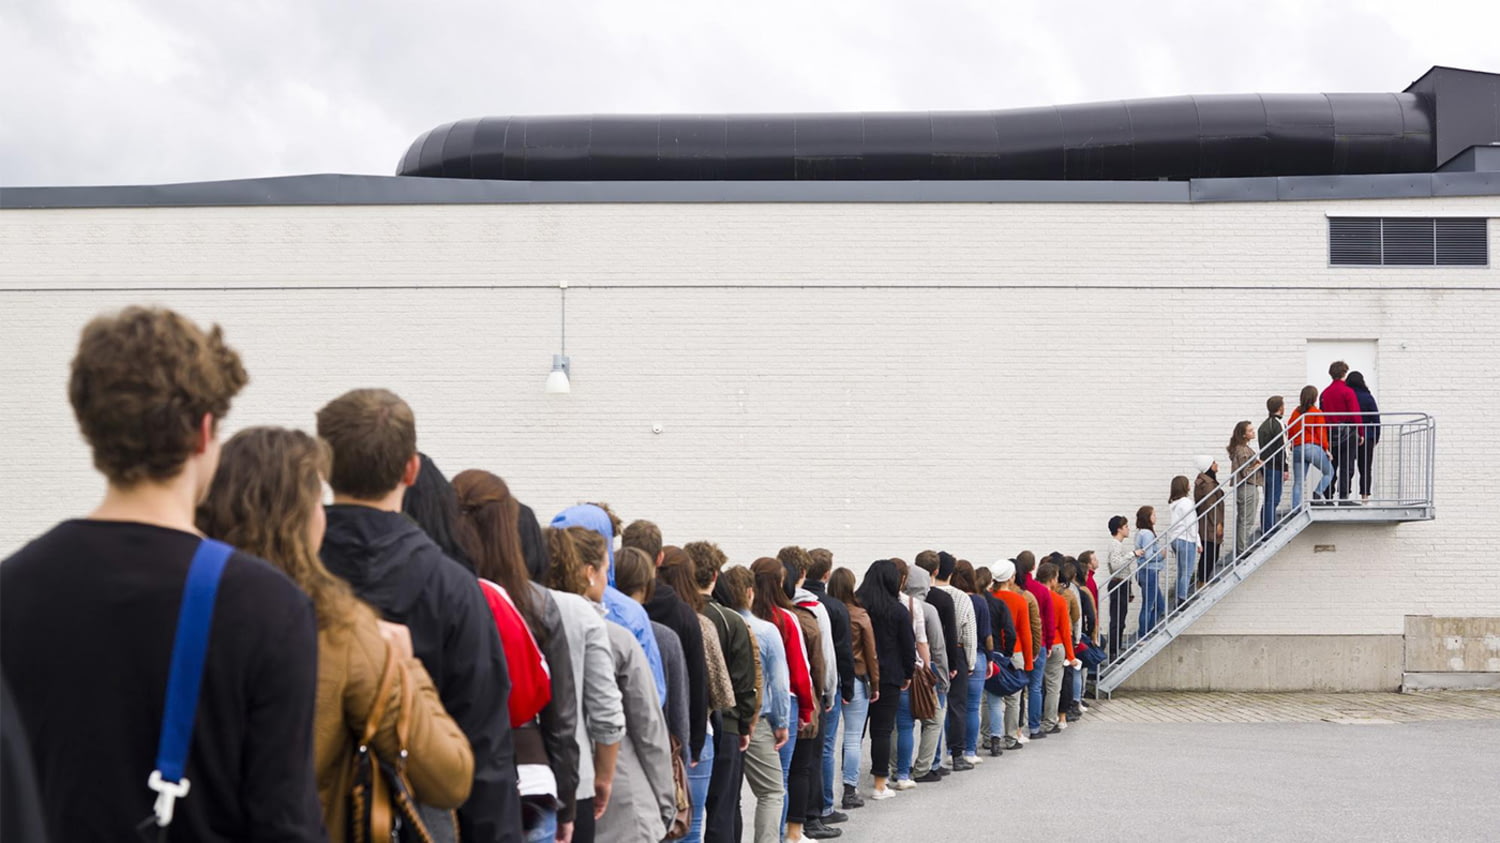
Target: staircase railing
(1389, 477)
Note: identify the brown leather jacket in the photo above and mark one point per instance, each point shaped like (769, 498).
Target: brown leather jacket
(351, 659)
(862, 637)
(811, 638)
(1209, 496)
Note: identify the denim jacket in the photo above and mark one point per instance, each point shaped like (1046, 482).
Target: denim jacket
(776, 693)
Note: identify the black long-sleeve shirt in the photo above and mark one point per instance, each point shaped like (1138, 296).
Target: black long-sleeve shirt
(843, 645)
(669, 610)
(88, 615)
(392, 565)
(958, 660)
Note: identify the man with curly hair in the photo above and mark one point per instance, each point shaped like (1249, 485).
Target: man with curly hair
(90, 612)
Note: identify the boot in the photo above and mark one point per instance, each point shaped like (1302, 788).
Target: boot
(816, 829)
(960, 765)
(852, 799)
(994, 746)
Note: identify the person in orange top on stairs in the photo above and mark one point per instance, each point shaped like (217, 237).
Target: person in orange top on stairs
(1022, 654)
(1059, 647)
(1308, 433)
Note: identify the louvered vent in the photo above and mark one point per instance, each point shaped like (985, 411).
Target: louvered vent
(1408, 241)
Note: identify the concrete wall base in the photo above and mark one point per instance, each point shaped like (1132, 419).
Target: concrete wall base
(1449, 681)
(1329, 663)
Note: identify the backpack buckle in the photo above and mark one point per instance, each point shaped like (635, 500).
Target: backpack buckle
(167, 794)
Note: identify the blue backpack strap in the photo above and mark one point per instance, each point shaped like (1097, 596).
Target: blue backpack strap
(189, 648)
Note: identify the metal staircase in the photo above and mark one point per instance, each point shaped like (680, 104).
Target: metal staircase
(1401, 471)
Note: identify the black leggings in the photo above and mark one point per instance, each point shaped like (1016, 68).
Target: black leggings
(1119, 608)
(807, 755)
(882, 724)
(1365, 456)
(583, 825)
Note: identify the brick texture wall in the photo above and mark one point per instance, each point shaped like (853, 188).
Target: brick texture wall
(872, 378)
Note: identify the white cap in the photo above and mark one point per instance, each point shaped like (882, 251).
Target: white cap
(1003, 570)
(1203, 463)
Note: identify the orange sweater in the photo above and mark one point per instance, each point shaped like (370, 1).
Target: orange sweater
(1307, 429)
(1063, 627)
(1021, 615)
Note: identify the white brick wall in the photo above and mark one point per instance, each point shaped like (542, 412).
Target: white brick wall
(874, 378)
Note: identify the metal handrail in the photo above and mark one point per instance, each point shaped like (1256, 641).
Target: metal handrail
(1398, 473)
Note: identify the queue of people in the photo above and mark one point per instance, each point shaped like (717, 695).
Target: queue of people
(426, 659)
(1333, 432)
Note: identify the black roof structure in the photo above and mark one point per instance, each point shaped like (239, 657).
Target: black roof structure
(1439, 116)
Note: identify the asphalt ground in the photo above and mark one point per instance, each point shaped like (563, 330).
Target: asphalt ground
(1361, 778)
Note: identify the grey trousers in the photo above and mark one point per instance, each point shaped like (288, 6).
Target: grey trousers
(927, 748)
(1052, 686)
(1013, 713)
(1247, 512)
(763, 772)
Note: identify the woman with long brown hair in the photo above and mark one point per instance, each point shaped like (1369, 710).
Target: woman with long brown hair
(1244, 471)
(547, 752)
(266, 499)
(773, 604)
(866, 681)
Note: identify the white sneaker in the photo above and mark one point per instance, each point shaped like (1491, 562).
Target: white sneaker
(1061, 725)
(1084, 705)
(974, 759)
(882, 793)
(905, 784)
(1022, 738)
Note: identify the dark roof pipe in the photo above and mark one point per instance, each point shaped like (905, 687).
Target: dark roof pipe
(1170, 138)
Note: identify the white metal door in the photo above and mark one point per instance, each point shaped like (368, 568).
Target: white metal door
(1361, 355)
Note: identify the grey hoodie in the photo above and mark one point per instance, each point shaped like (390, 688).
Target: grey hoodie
(918, 582)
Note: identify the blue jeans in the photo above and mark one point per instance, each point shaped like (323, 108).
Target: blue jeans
(1302, 457)
(1153, 602)
(1187, 564)
(905, 726)
(997, 715)
(1273, 500)
(1034, 693)
(856, 712)
(830, 734)
(976, 696)
(545, 831)
(786, 758)
(698, 779)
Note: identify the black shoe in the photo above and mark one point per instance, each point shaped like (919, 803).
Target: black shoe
(960, 765)
(1052, 731)
(834, 818)
(1012, 743)
(852, 799)
(995, 747)
(1036, 736)
(816, 830)
(1075, 714)
(929, 777)
(942, 771)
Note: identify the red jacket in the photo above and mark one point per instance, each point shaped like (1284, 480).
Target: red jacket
(1339, 403)
(1043, 597)
(798, 669)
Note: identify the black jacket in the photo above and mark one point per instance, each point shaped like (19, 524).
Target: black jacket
(395, 567)
(669, 610)
(957, 659)
(1002, 626)
(843, 647)
(895, 643)
(741, 655)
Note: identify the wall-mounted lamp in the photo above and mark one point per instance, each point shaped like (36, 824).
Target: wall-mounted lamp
(558, 380)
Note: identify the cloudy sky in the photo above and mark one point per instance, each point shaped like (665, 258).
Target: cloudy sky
(145, 91)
